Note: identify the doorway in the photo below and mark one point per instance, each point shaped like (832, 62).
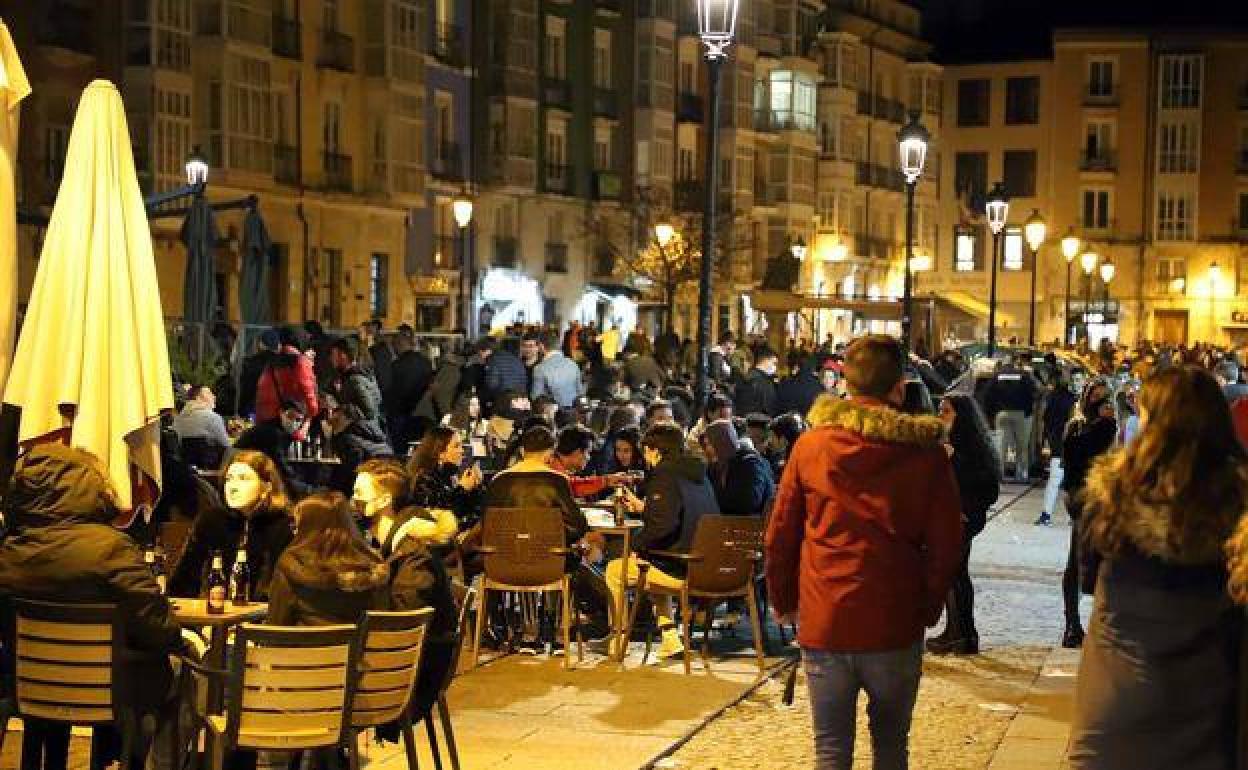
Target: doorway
(1170, 327)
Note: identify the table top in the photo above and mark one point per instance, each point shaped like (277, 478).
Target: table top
(316, 461)
(612, 529)
(194, 612)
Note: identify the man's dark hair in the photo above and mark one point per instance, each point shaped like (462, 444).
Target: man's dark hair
(297, 406)
(726, 337)
(287, 335)
(487, 343)
(716, 402)
(655, 406)
(348, 346)
(551, 340)
(314, 329)
(574, 438)
(537, 439)
(666, 439)
(194, 392)
(763, 354)
(511, 345)
(374, 325)
(874, 364)
(532, 335)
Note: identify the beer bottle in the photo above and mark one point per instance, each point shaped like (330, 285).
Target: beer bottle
(216, 586)
(618, 505)
(240, 579)
(154, 563)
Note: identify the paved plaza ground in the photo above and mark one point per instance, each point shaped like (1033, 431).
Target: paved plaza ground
(1006, 709)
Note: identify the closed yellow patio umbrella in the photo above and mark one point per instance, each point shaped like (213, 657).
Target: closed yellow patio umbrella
(91, 367)
(13, 88)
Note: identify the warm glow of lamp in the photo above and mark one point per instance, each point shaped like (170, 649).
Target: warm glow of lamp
(921, 263)
(461, 207)
(196, 168)
(1107, 271)
(663, 233)
(1035, 229)
(717, 23)
(1012, 259)
(912, 148)
(1178, 285)
(1088, 261)
(997, 208)
(964, 258)
(838, 252)
(1215, 273)
(798, 248)
(1070, 245)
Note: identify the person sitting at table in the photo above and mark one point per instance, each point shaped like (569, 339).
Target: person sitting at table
(274, 437)
(418, 578)
(739, 475)
(533, 483)
(625, 452)
(571, 456)
(62, 548)
(677, 494)
(256, 515)
(438, 482)
(353, 439)
(329, 574)
(199, 425)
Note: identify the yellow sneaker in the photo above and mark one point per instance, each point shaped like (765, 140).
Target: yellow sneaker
(672, 645)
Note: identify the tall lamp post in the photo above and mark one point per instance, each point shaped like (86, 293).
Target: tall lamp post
(912, 150)
(1070, 250)
(1215, 274)
(1088, 263)
(717, 22)
(663, 233)
(998, 210)
(1034, 229)
(461, 208)
(1107, 274)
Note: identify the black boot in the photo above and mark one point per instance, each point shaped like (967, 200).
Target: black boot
(1072, 637)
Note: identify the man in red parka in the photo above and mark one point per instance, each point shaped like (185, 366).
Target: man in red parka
(863, 542)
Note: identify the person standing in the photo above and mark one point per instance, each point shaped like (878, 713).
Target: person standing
(867, 529)
(355, 388)
(757, 394)
(557, 375)
(977, 470)
(1058, 407)
(254, 365)
(1160, 677)
(799, 390)
(609, 342)
(1011, 399)
(410, 375)
(289, 376)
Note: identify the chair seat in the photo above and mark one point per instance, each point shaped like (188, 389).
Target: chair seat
(496, 586)
(276, 739)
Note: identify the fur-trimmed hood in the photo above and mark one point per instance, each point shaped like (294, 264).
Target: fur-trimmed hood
(875, 421)
(1155, 527)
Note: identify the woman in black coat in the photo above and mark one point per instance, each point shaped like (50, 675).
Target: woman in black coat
(978, 471)
(1090, 434)
(437, 481)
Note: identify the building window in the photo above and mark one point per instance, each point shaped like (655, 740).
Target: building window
(1022, 101)
(1180, 81)
(1098, 141)
(602, 148)
(968, 252)
(1178, 148)
(974, 102)
(1175, 217)
(556, 147)
(602, 58)
(378, 284)
(1020, 173)
(793, 99)
(1101, 78)
(173, 137)
(555, 65)
(1096, 215)
(329, 15)
(1172, 273)
(970, 174)
(1243, 212)
(685, 164)
(250, 114)
(331, 128)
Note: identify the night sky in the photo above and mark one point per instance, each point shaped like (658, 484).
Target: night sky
(987, 30)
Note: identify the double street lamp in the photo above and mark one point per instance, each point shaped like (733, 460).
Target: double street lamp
(912, 151)
(461, 209)
(1070, 249)
(717, 23)
(1088, 262)
(1034, 229)
(998, 210)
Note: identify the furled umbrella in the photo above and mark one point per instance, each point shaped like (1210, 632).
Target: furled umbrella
(199, 293)
(91, 367)
(13, 88)
(254, 295)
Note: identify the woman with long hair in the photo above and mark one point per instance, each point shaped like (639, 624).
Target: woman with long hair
(978, 471)
(1159, 676)
(1090, 434)
(329, 574)
(438, 482)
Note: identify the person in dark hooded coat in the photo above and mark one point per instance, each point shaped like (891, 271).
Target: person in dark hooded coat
(740, 476)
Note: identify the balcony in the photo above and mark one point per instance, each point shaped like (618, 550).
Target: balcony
(881, 108)
(689, 108)
(687, 195)
(608, 6)
(882, 177)
(287, 41)
(68, 27)
(446, 164)
(556, 93)
(765, 122)
(687, 23)
(607, 186)
(286, 164)
(557, 179)
(762, 193)
(504, 251)
(337, 172)
(1241, 162)
(448, 45)
(873, 247)
(234, 22)
(448, 252)
(337, 52)
(652, 9)
(1098, 160)
(1100, 98)
(512, 81)
(1243, 98)
(556, 257)
(605, 103)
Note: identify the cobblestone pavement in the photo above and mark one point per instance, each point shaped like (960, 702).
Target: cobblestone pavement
(1004, 708)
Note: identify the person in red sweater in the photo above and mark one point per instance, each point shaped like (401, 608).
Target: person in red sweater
(863, 543)
(288, 377)
(571, 455)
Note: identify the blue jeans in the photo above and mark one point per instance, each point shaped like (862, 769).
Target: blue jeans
(891, 680)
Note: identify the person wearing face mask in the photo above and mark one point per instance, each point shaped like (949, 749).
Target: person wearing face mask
(256, 515)
(1089, 435)
(273, 437)
(757, 394)
(437, 480)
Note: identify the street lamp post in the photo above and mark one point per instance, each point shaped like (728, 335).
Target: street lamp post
(1088, 263)
(912, 146)
(717, 21)
(1034, 229)
(1215, 273)
(1070, 250)
(998, 210)
(663, 233)
(461, 208)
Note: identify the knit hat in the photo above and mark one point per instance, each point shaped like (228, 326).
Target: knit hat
(269, 339)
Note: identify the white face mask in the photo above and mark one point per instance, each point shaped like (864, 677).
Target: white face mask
(243, 487)
(369, 496)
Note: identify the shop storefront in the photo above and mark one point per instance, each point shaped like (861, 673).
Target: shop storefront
(509, 297)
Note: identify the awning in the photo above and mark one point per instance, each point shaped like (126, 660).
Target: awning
(615, 289)
(973, 307)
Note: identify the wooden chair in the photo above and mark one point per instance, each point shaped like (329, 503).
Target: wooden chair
(287, 689)
(65, 655)
(465, 598)
(721, 566)
(525, 552)
(389, 665)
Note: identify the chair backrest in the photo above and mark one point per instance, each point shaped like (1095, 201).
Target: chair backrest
(389, 662)
(202, 453)
(465, 597)
(290, 687)
(65, 655)
(729, 547)
(523, 546)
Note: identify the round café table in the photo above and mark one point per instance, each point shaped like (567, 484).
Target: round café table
(603, 522)
(193, 613)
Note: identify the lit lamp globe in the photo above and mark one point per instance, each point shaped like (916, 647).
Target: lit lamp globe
(1107, 271)
(1070, 246)
(461, 207)
(1035, 229)
(717, 24)
(1215, 273)
(997, 208)
(798, 249)
(912, 143)
(196, 168)
(1088, 261)
(663, 233)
